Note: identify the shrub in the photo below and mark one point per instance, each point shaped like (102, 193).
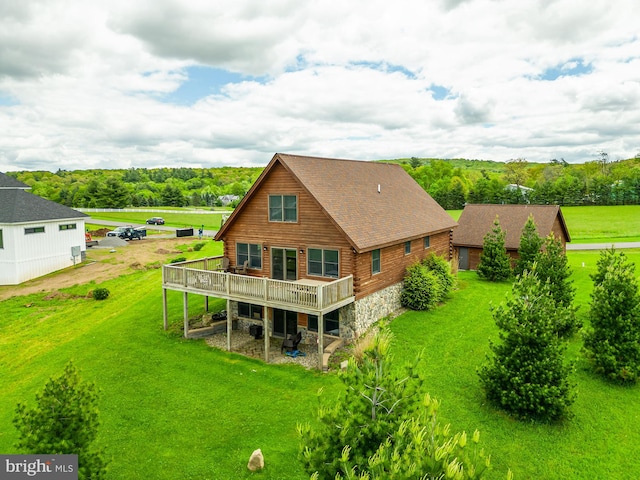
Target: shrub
(442, 269)
(178, 260)
(198, 246)
(101, 293)
(64, 421)
(612, 343)
(526, 376)
(422, 288)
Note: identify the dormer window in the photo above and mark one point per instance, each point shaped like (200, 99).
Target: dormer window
(283, 208)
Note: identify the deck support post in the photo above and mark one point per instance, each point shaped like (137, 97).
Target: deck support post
(229, 325)
(164, 308)
(185, 309)
(320, 340)
(267, 347)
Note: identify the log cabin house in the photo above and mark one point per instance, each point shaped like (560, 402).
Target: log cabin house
(477, 220)
(318, 246)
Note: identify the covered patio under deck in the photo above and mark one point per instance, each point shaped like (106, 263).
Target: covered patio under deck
(206, 277)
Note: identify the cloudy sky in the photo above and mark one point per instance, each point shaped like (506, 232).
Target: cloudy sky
(148, 83)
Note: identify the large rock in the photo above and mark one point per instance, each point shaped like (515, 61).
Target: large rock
(256, 461)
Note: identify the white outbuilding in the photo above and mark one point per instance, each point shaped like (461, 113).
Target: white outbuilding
(37, 236)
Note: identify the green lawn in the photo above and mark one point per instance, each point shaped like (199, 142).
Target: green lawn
(172, 408)
(210, 220)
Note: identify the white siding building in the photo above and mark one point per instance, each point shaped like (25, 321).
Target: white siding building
(37, 236)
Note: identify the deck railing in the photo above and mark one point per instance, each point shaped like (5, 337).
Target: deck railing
(204, 276)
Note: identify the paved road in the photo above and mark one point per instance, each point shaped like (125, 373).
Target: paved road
(163, 228)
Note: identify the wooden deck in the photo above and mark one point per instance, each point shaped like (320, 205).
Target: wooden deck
(205, 277)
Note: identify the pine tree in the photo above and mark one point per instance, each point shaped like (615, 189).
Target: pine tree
(612, 343)
(552, 266)
(495, 264)
(527, 376)
(530, 244)
(384, 425)
(64, 421)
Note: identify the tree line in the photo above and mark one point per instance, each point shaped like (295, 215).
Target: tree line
(452, 183)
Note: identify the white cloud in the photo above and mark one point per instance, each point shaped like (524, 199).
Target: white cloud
(88, 81)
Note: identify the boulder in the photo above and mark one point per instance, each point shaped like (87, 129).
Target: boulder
(256, 461)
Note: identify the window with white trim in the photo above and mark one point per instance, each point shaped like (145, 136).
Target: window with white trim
(251, 252)
(283, 208)
(323, 263)
(30, 230)
(67, 226)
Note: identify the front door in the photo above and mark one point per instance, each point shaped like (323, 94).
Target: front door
(284, 264)
(285, 323)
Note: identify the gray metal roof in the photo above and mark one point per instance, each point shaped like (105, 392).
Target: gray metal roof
(18, 206)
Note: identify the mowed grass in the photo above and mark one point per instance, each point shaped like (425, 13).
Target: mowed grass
(174, 408)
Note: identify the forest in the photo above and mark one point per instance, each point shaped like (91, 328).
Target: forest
(451, 182)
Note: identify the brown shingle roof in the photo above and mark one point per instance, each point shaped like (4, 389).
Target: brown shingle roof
(477, 220)
(347, 190)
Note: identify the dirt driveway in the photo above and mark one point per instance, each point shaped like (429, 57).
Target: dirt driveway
(103, 264)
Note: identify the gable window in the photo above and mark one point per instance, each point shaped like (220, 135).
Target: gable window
(1, 240)
(375, 261)
(30, 230)
(251, 252)
(67, 226)
(407, 247)
(249, 310)
(427, 242)
(323, 263)
(331, 323)
(283, 208)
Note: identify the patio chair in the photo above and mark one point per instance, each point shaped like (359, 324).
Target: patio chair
(243, 269)
(224, 265)
(291, 343)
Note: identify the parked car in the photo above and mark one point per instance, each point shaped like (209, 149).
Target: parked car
(155, 221)
(128, 233)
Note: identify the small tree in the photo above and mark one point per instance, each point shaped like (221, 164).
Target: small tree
(613, 341)
(530, 244)
(384, 426)
(552, 266)
(526, 376)
(64, 421)
(495, 264)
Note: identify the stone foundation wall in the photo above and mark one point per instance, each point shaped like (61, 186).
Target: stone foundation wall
(360, 315)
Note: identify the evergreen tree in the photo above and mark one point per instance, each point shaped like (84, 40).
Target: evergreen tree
(613, 341)
(385, 426)
(527, 376)
(64, 421)
(495, 264)
(552, 266)
(530, 244)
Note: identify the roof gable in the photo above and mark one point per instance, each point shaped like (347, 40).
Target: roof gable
(19, 206)
(373, 204)
(477, 220)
